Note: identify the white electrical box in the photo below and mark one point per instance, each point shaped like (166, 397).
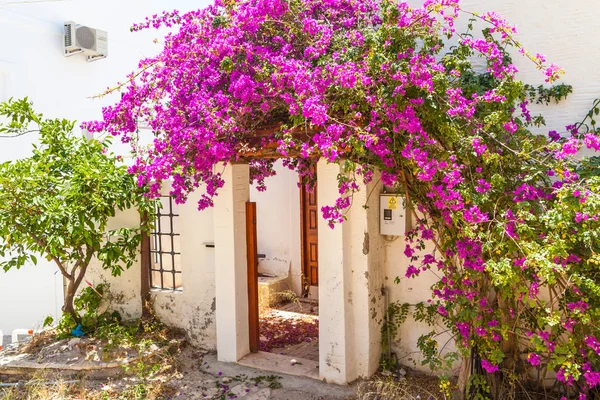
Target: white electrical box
(392, 215)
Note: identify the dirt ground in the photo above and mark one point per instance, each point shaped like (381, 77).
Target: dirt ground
(189, 374)
(202, 373)
(183, 372)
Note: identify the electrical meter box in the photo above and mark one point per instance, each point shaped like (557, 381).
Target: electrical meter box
(392, 215)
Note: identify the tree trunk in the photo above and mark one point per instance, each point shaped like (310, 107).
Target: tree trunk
(74, 278)
(68, 307)
(463, 377)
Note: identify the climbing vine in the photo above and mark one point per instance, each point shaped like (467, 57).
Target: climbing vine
(506, 218)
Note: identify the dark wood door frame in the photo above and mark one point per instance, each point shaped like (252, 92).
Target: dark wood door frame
(309, 215)
(252, 258)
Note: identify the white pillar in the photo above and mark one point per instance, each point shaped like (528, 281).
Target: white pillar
(231, 279)
(335, 318)
(350, 280)
(366, 248)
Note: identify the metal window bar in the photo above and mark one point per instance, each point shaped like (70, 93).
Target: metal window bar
(158, 251)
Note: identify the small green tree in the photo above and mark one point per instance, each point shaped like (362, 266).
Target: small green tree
(58, 202)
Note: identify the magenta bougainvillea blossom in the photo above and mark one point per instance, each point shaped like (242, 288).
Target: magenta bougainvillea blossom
(280, 331)
(506, 218)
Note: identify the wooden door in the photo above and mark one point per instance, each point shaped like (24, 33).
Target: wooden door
(309, 215)
(252, 258)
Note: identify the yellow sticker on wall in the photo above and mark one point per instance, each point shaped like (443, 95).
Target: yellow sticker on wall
(392, 203)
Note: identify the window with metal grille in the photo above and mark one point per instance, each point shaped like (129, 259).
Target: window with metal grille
(165, 253)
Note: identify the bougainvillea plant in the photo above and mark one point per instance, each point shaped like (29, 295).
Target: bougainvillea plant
(399, 94)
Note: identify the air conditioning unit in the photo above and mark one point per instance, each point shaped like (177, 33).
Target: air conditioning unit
(93, 43)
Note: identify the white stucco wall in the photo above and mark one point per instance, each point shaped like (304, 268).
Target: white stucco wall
(28, 295)
(278, 225)
(566, 32)
(411, 291)
(193, 308)
(32, 64)
(124, 289)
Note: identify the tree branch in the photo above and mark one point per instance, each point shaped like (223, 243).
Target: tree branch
(83, 265)
(18, 134)
(42, 243)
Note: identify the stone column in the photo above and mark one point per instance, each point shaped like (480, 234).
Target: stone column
(350, 278)
(366, 249)
(335, 317)
(231, 280)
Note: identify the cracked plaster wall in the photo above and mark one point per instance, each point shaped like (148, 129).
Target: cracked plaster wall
(124, 289)
(192, 309)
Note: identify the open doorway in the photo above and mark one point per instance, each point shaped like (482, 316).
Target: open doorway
(284, 316)
(309, 236)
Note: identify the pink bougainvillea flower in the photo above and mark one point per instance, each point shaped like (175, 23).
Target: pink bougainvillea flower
(489, 367)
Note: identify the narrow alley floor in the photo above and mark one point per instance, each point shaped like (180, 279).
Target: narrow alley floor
(308, 349)
(292, 387)
(291, 329)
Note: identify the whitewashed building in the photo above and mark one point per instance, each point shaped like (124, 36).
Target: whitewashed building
(32, 64)
(203, 285)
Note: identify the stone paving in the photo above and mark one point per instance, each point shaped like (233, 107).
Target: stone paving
(306, 350)
(292, 387)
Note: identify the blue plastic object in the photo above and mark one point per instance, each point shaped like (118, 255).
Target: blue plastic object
(78, 332)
